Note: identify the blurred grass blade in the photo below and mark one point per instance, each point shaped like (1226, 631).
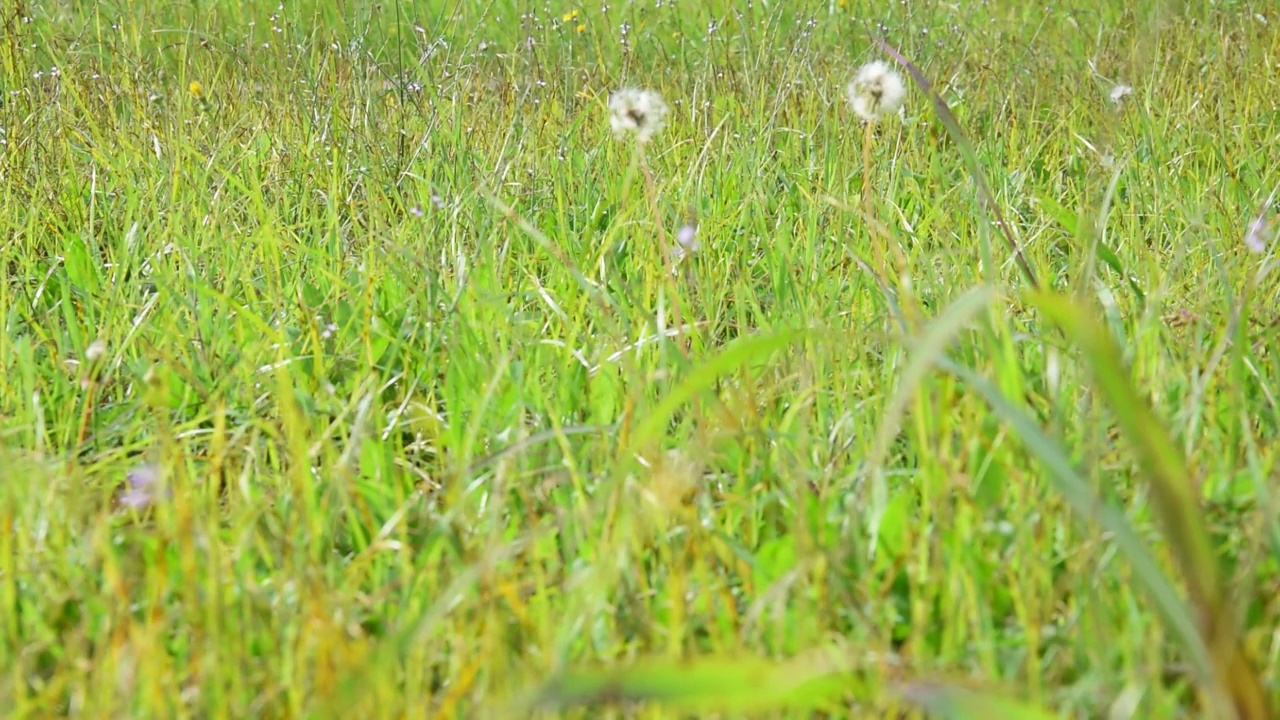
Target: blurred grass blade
(1077, 492)
(735, 354)
(1171, 488)
(948, 119)
(1072, 226)
(925, 350)
(706, 684)
(959, 704)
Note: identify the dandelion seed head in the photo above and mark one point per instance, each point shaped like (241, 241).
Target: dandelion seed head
(641, 113)
(1119, 93)
(876, 91)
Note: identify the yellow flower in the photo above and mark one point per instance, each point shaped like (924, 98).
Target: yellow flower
(581, 27)
(196, 89)
(569, 16)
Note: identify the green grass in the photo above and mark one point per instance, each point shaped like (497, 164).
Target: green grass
(439, 435)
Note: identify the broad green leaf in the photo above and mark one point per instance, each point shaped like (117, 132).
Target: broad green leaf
(81, 270)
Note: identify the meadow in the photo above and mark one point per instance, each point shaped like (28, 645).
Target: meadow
(353, 366)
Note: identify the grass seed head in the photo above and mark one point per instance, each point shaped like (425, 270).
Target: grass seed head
(641, 113)
(876, 91)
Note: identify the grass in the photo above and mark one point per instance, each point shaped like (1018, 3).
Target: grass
(435, 431)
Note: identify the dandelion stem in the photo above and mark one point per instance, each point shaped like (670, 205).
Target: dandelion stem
(668, 264)
(868, 136)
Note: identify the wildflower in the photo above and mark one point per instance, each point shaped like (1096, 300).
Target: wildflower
(876, 91)
(1256, 239)
(569, 17)
(141, 483)
(196, 89)
(1119, 93)
(686, 239)
(638, 112)
(95, 351)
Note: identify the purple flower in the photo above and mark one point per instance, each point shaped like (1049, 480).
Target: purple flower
(141, 488)
(687, 237)
(1256, 239)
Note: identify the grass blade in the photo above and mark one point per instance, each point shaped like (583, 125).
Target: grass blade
(1176, 507)
(926, 349)
(1075, 489)
(709, 684)
(734, 355)
(959, 704)
(948, 120)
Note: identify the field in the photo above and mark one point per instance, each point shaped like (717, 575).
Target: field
(352, 365)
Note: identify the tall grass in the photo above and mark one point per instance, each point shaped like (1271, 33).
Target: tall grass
(353, 380)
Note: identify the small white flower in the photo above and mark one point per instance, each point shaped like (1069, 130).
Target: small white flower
(1119, 93)
(95, 351)
(636, 112)
(877, 91)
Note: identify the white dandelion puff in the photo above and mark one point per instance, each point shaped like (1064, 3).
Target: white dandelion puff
(641, 113)
(876, 91)
(1119, 93)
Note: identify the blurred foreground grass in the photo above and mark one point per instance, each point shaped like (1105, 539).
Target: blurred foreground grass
(373, 308)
